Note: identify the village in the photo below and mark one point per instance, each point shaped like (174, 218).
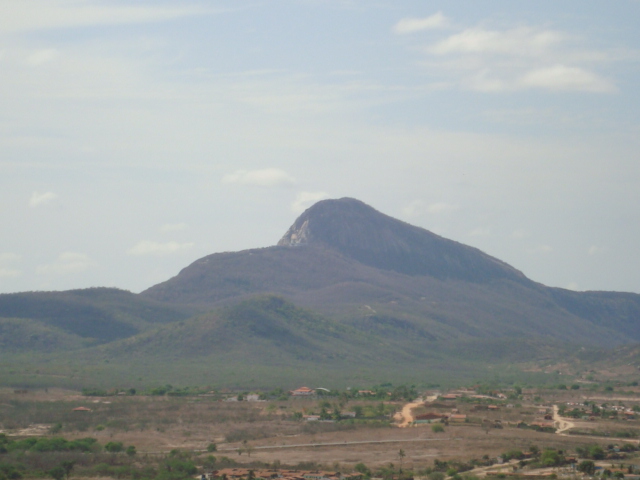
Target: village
(388, 433)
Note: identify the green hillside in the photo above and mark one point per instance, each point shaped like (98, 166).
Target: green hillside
(97, 314)
(22, 336)
(266, 340)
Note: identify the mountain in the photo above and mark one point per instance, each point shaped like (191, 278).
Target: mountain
(345, 259)
(357, 231)
(347, 294)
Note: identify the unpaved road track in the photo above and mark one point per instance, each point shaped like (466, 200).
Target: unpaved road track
(562, 424)
(339, 444)
(404, 418)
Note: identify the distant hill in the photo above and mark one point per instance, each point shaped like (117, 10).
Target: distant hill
(266, 340)
(347, 293)
(19, 336)
(98, 314)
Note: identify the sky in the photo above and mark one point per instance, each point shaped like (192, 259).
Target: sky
(139, 136)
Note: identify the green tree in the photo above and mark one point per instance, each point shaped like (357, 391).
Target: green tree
(587, 466)
(57, 473)
(114, 447)
(517, 454)
(131, 451)
(363, 469)
(596, 452)
(551, 458)
(401, 456)
(56, 428)
(336, 413)
(212, 447)
(67, 466)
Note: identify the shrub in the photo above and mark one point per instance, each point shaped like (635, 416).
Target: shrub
(57, 473)
(517, 454)
(363, 469)
(437, 428)
(114, 447)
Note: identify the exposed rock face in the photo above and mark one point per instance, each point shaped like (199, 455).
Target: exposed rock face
(370, 237)
(296, 235)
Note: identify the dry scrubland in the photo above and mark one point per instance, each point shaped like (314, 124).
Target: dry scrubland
(156, 425)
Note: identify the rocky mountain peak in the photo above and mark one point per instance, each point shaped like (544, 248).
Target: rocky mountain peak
(360, 232)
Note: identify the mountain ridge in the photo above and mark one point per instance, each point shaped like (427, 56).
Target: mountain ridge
(343, 257)
(346, 289)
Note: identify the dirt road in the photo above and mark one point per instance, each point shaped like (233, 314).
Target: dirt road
(404, 418)
(562, 424)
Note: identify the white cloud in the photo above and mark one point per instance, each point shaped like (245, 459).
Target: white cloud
(9, 257)
(6, 268)
(540, 249)
(594, 250)
(267, 177)
(413, 209)
(523, 41)
(519, 234)
(173, 227)
(441, 207)
(9, 273)
(483, 81)
(67, 263)
(158, 249)
(38, 199)
(518, 59)
(481, 232)
(305, 199)
(418, 207)
(46, 14)
(562, 77)
(411, 25)
(42, 56)
(573, 286)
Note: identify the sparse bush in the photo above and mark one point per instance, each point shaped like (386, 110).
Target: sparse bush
(363, 469)
(114, 447)
(55, 428)
(437, 428)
